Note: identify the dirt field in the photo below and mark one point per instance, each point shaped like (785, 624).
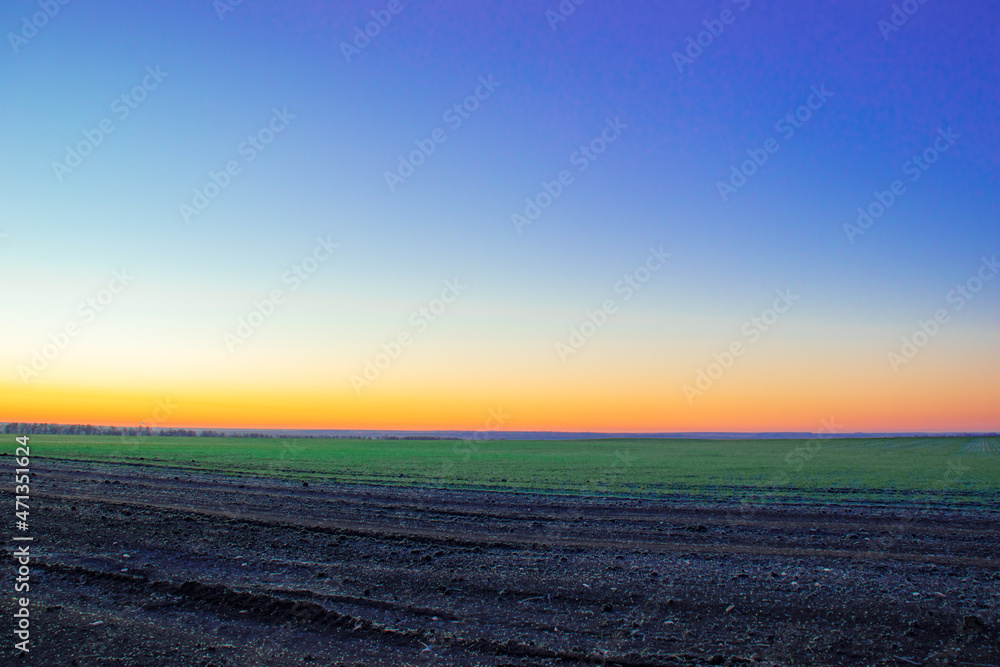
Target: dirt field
(157, 566)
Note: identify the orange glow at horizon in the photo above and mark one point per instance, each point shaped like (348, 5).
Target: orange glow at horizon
(731, 408)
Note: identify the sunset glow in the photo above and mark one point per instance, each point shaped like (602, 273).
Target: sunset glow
(561, 220)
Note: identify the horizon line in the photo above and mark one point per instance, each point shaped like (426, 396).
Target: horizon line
(520, 434)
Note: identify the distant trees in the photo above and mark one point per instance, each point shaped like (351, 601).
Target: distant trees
(73, 429)
(132, 431)
(176, 432)
(17, 428)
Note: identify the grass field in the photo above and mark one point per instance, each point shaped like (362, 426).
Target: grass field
(724, 468)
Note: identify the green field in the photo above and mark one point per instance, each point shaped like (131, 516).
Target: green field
(956, 467)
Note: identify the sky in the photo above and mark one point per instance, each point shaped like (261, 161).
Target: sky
(736, 215)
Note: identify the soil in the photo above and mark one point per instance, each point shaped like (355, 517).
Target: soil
(145, 565)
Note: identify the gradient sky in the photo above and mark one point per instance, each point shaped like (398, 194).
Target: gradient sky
(163, 337)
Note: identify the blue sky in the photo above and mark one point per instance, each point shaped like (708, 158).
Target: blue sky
(656, 185)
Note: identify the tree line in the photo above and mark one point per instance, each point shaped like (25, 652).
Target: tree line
(16, 428)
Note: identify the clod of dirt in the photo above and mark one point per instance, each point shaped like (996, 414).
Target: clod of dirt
(608, 608)
(305, 483)
(717, 659)
(971, 624)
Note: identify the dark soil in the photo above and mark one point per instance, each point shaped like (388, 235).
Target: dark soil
(153, 566)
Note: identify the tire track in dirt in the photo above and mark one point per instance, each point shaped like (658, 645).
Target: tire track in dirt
(466, 537)
(604, 511)
(224, 600)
